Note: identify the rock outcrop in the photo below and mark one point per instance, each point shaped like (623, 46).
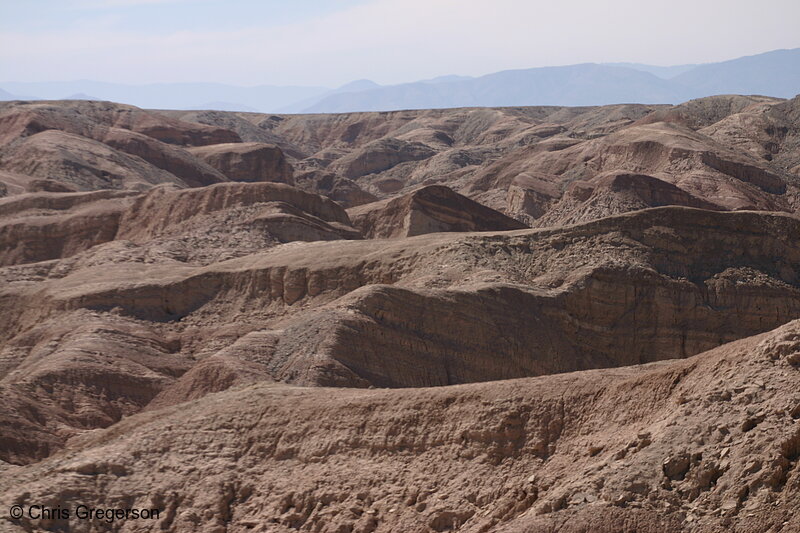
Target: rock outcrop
(615, 193)
(42, 226)
(81, 372)
(735, 152)
(91, 118)
(381, 155)
(173, 159)
(428, 210)
(672, 153)
(99, 145)
(162, 210)
(247, 161)
(341, 190)
(81, 163)
(222, 221)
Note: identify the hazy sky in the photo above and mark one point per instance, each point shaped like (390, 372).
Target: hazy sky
(331, 42)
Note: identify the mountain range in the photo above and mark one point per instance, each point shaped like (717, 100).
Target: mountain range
(775, 73)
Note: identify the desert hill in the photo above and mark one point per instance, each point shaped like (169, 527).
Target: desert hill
(97, 145)
(587, 317)
(429, 209)
(705, 444)
(732, 152)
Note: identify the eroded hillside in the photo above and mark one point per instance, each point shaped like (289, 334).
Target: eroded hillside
(587, 317)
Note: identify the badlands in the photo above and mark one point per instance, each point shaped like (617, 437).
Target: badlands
(533, 319)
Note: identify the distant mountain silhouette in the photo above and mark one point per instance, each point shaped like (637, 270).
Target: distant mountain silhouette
(775, 73)
(358, 85)
(172, 95)
(662, 72)
(352, 87)
(82, 96)
(5, 96)
(588, 84)
(225, 106)
(447, 78)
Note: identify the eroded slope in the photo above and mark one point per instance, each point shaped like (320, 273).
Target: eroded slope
(706, 444)
(437, 309)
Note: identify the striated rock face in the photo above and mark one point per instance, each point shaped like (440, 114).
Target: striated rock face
(545, 306)
(615, 193)
(48, 186)
(247, 161)
(433, 310)
(669, 152)
(341, 190)
(666, 446)
(99, 145)
(42, 226)
(428, 210)
(243, 362)
(88, 363)
(381, 155)
(80, 372)
(223, 221)
(441, 309)
(161, 210)
(90, 119)
(734, 152)
(81, 163)
(173, 159)
(250, 127)
(702, 112)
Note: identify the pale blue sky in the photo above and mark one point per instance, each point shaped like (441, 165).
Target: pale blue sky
(316, 42)
(160, 16)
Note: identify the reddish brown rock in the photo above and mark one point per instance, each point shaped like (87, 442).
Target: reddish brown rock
(655, 291)
(48, 186)
(42, 226)
(381, 155)
(247, 161)
(343, 191)
(100, 145)
(665, 151)
(611, 194)
(205, 352)
(175, 160)
(81, 163)
(79, 372)
(502, 456)
(427, 210)
(90, 118)
(736, 152)
(250, 127)
(245, 361)
(161, 210)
